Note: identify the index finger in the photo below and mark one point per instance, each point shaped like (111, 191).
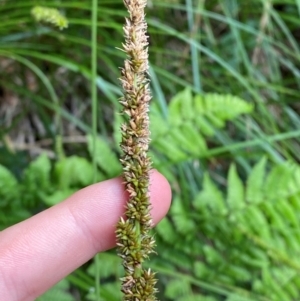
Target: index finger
(37, 253)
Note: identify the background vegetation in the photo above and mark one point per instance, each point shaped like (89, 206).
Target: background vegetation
(225, 127)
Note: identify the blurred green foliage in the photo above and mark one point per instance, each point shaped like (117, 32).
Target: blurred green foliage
(224, 122)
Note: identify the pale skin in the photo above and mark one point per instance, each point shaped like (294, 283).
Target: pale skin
(39, 252)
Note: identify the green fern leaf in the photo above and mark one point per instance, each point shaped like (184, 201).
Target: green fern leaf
(255, 182)
(205, 127)
(226, 107)
(211, 198)
(187, 145)
(212, 256)
(158, 125)
(177, 288)
(181, 106)
(193, 297)
(201, 270)
(265, 234)
(58, 196)
(172, 151)
(238, 273)
(291, 288)
(287, 211)
(73, 171)
(109, 292)
(110, 265)
(8, 187)
(180, 137)
(187, 112)
(36, 181)
(166, 230)
(292, 245)
(196, 142)
(277, 182)
(183, 222)
(235, 190)
(257, 222)
(215, 119)
(275, 218)
(105, 157)
(58, 293)
(162, 165)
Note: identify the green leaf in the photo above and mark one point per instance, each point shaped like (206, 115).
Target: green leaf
(170, 149)
(277, 182)
(36, 181)
(226, 107)
(58, 196)
(235, 297)
(211, 198)
(188, 104)
(257, 221)
(201, 270)
(108, 292)
(166, 230)
(255, 182)
(235, 190)
(275, 218)
(182, 220)
(73, 171)
(158, 125)
(194, 297)
(205, 126)
(8, 187)
(177, 288)
(111, 292)
(186, 141)
(196, 143)
(38, 173)
(287, 211)
(105, 157)
(179, 137)
(110, 265)
(161, 165)
(239, 273)
(215, 119)
(181, 105)
(212, 256)
(59, 292)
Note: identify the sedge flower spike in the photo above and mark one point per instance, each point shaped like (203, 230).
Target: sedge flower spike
(49, 15)
(134, 240)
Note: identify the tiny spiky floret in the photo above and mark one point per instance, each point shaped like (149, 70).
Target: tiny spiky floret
(49, 15)
(134, 241)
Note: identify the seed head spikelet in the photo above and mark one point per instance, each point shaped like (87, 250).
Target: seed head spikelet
(134, 241)
(49, 15)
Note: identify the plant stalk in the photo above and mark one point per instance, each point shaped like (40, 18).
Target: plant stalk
(134, 241)
(94, 22)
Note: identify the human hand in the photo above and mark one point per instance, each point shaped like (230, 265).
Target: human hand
(39, 252)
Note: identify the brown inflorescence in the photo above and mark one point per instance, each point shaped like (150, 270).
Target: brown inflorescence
(134, 241)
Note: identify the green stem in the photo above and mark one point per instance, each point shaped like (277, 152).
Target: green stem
(94, 117)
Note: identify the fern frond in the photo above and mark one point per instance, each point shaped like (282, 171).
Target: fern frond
(255, 182)
(235, 190)
(211, 198)
(190, 120)
(177, 288)
(261, 244)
